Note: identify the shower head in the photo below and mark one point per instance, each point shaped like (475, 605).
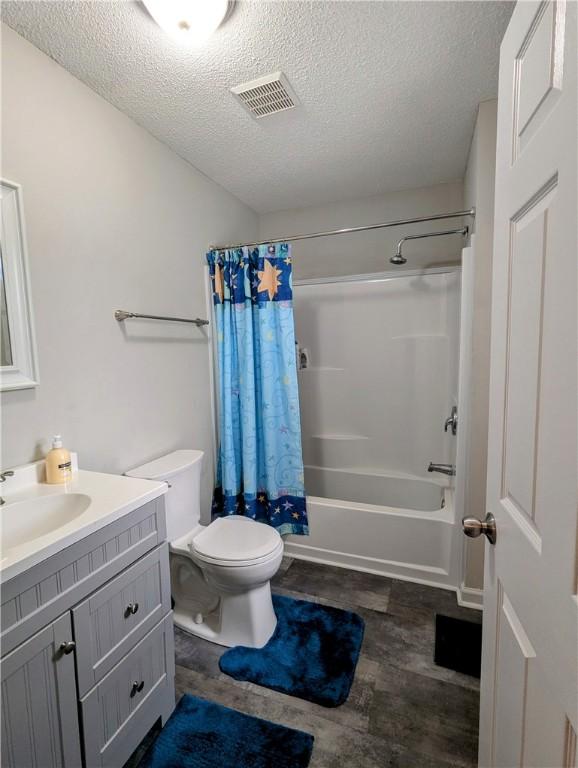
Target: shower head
(397, 258)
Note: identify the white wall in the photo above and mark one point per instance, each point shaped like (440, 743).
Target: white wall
(114, 220)
(382, 373)
(479, 192)
(369, 251)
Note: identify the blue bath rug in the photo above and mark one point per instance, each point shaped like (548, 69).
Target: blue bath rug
(312, 654)
(202, 734)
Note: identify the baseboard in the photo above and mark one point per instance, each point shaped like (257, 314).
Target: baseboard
(468, 597)
(432, 577)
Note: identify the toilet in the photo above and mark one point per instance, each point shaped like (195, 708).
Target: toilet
(220, 573)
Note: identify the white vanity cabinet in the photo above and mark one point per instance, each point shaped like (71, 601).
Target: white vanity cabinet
(87, 648)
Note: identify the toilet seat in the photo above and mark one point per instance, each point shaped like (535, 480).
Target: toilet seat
(237, 563)
(232, 541)
(235, 541)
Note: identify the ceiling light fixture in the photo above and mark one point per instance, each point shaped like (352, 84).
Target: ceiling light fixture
(189, 22)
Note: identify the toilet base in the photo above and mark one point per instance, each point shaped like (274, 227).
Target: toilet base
(245, 618)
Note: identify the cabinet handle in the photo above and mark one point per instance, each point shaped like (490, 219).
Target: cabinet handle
(136, 688)
(130, 610)
(67, 647)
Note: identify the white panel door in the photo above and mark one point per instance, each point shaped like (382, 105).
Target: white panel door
(529, 708)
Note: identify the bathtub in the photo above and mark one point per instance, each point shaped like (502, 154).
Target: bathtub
(391, 524)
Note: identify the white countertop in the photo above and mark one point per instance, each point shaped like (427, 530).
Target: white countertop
(111, 497)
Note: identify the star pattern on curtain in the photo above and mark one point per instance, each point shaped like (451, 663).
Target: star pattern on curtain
(269, 279)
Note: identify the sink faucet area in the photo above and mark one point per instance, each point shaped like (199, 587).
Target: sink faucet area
(3, 477)
(38, 519)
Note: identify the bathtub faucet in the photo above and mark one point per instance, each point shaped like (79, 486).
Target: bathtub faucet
(445, 469)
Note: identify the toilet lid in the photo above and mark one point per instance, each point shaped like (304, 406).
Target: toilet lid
(236, 538)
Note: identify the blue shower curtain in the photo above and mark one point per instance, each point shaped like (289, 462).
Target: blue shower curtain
(260, 464)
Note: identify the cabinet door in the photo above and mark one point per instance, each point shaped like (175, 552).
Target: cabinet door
(39, 709)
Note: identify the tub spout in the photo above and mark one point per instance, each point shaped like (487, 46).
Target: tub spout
(445, 469)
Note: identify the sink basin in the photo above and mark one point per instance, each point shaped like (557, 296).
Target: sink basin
(39, 520)
(24, 521)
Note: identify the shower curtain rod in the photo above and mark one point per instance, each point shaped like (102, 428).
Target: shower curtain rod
(382, 225)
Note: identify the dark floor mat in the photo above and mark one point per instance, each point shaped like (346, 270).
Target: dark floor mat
(458, 645)
(202, 734)
(312, 654)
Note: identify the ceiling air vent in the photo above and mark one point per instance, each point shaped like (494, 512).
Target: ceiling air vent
(266, 95)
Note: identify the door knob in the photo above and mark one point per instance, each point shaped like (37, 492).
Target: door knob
(473, 527)
(136, 688)
(130, 610)
(67, 647)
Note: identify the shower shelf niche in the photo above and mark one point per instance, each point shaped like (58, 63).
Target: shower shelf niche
(335, 449)
(428, 336)
(339, 437)
(321, 369)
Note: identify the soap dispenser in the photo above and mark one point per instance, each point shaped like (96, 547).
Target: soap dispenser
(58, 463)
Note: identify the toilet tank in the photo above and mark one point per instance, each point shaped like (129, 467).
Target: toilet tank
(182, 471)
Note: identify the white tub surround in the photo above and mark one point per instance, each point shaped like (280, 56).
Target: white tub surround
(371, 488)
(382, 372)
(37, 520)
(409, 540)
(381, 382)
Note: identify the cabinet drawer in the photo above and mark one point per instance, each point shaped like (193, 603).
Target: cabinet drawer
(113, 619)
(120, 710)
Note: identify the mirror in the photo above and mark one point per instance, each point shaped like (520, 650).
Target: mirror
(5, 347)
(18, 364)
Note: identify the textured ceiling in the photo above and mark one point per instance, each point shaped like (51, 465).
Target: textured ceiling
(388, 90)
